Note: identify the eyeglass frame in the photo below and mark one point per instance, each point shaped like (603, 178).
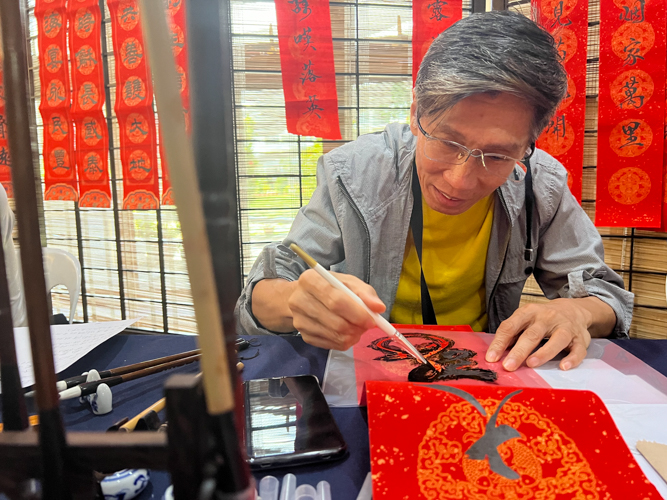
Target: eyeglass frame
(471, 151)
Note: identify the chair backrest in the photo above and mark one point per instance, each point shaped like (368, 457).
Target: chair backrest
(62, 268)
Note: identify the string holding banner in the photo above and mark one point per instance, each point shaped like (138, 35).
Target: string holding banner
(134, 108)
(631, 114)
(567, 21)
(429, 19)
(92, 140)
(177, 18)
(307, 63)
(58, 146)
(5, 157)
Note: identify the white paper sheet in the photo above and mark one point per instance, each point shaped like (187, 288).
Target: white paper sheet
(70, 344)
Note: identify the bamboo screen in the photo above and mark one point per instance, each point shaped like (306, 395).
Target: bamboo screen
(132, 260)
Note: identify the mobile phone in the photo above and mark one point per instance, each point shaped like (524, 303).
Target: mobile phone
(288, 422)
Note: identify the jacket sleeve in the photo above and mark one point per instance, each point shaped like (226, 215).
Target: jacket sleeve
(315, 229)
(14, 281)
(570, 262)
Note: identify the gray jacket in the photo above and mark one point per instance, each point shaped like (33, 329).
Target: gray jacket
(358, 219)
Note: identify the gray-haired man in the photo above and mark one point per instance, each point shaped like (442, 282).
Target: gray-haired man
(486, 89)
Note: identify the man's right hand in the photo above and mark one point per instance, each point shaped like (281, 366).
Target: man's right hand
(325, 317)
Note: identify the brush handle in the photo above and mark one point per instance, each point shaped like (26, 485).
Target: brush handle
(381, 323)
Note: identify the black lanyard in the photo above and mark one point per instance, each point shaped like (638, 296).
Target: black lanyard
(417, 227)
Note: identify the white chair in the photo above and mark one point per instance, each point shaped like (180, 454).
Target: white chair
(62, 268)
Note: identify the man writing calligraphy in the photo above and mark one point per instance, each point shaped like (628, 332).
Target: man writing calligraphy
(494, 210)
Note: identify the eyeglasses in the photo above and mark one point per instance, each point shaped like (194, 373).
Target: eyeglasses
(453, 153)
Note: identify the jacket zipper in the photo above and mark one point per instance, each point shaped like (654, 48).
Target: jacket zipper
(363, 221)
(507, 240)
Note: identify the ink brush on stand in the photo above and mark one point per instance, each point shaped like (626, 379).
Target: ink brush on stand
(381, 323)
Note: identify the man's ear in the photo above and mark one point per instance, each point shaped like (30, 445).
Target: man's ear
(413, 116)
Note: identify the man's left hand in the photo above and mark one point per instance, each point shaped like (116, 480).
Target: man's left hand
(565, 322)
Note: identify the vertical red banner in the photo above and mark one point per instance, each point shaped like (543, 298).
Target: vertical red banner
(567, 21)
(58, 152)
(134, 108)
(178, 28)
(5, 157)
(307, 63)
(92, 140)
(631, 113)
(429, 19)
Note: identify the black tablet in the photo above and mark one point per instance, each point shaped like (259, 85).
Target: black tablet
(288, 422)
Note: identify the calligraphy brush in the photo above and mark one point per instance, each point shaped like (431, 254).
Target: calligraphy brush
(381, 323)
(130, 425)
(121, 370)
(91, 387)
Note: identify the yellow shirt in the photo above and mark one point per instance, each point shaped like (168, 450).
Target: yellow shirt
(454, 257)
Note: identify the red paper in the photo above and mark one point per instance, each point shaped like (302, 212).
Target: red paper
(92, 140)
(307, 63)
(429, 19)
(134, 108)
(369, 367)
(631, 113)
(563, 445)
(5, 157)
(563, 139)
(58, 153)
(180, 48)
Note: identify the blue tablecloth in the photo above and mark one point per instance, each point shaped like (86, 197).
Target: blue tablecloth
(278, 356)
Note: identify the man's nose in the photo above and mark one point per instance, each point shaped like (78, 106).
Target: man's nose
(464, 176)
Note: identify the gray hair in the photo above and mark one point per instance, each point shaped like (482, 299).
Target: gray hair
(492, 52)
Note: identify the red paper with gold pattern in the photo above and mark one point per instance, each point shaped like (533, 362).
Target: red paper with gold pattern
(180, 47)
(567, 21)
(134, 108)
(5, 157)
(58, 153)
(631, 113)
(307, 63)
(555, 444)
(92, 141)
(429, 19)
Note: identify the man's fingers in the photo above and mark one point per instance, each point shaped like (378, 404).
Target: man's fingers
(526, 343)
(334, 300)
(317, 332)
(560, 339)
(366, 292)
(577, 355)
(507, 331)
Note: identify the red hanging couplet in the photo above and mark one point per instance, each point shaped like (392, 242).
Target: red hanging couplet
(306, 59)
(58, 153)
(567, 21)
(5, 157)
(429, 19)
(178, 27)
(631, 113)
(92, 140)
(134, 108)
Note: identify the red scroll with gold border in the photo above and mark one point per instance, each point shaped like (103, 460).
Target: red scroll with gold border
(429, 19)
(5, 157)
(180, 47)
(567, 21)
(631, 113)
(307, 63)
(134, 108)
(58, 152)
(92, 141)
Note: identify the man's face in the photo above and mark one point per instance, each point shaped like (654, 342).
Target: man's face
(497, 123)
